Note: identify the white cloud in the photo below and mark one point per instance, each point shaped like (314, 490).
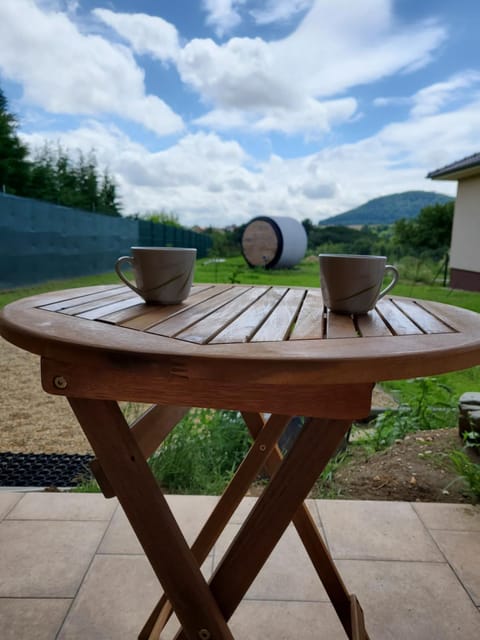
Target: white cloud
(337, 47)
(431, 99)
(394, 101)
(279, 10)
(279, 85)
(302, 84)
(314, 118)
(64, 71)
(208, 180)
(238, 74)
(222, 15)
(146, 34)
(435, 97)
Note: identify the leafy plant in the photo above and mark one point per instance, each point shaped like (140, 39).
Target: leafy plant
(391, 425)
(199, 456)
(202, 452)
(426, 404)
(468, 471)
(325, 486)
(472, 440)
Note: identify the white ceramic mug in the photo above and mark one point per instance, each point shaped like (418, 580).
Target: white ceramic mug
(351, 283)
(163, 275)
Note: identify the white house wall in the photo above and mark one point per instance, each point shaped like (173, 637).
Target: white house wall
(465, 246)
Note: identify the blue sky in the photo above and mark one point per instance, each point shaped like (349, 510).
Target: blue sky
(221, 110)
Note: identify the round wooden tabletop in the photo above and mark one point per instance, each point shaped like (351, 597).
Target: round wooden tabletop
(265, 333)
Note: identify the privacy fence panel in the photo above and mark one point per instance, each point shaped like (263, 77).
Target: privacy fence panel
(40, 241)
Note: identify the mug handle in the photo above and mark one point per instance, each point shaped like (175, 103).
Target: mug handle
(394, 281)
(118, 268)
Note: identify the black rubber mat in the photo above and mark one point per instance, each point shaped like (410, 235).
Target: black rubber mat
(43, 470)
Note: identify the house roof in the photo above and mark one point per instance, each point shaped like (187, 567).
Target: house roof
(464, 168)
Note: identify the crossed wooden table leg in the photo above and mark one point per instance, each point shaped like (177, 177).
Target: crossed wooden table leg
(202, 608)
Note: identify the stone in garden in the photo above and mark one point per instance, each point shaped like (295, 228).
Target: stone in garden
(469, 416)
(470, 398)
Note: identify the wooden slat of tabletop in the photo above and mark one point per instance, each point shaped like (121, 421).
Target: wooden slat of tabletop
(204, 330)
(151, 315)
(244, 326)
(181, 321)
(96, 305)
(309, 323)
(340, 326)
(118, 317)
(400, 324)
(371, 324)
(423, 318)
(278, 324)
(101, 310)
(75, 300)
(121, 316)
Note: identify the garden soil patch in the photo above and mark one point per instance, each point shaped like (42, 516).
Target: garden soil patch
(32, 421)
(416, 468)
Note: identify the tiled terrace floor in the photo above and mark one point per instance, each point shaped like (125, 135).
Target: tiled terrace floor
(71, 568)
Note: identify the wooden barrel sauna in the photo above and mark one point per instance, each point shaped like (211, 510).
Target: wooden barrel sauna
(274, 242)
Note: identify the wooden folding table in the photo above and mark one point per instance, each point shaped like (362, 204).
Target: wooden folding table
(269, 352)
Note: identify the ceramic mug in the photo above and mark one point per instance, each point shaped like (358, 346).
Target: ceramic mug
(351, 284)
(163, 275)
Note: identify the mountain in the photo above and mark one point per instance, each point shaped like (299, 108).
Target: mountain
(387, 209)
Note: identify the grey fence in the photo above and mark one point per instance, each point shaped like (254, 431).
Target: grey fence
(40, 241)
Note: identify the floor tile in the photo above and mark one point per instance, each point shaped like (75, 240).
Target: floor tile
(376, 531)
(40, 559)
(247, 504)
(409, 582)
(119, 536)
(243, 510)
(110, 606)
(63, 506)
(278, 620)
(455, 517)
(190, 512)
(23, 618)
(411, 600)
(263, 620)
(115, 600)
(7, 501)
(462, 550)
(288, 573)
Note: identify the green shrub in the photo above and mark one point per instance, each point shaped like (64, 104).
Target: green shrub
(202, 453)
(468, 471)
(425, 404)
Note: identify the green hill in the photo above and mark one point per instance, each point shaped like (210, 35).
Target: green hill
(387, 209)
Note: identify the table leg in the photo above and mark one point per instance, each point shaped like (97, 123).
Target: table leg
(265, 435)
(151, 518)
(273, 512)
(315, 547)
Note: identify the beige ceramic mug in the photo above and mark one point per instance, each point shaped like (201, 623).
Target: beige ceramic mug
(163, 275)
(352, 284)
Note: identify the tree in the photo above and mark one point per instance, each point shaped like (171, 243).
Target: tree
(43, 180)
(51, 175)
(427, 234)
(107, 198)
(14, 166)
(56, 177)
(162, 217)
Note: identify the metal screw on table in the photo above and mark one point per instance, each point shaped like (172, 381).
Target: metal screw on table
(204, 634)
(262, 447)
(60, 382)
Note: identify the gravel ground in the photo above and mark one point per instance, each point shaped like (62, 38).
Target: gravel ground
(32, 421)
